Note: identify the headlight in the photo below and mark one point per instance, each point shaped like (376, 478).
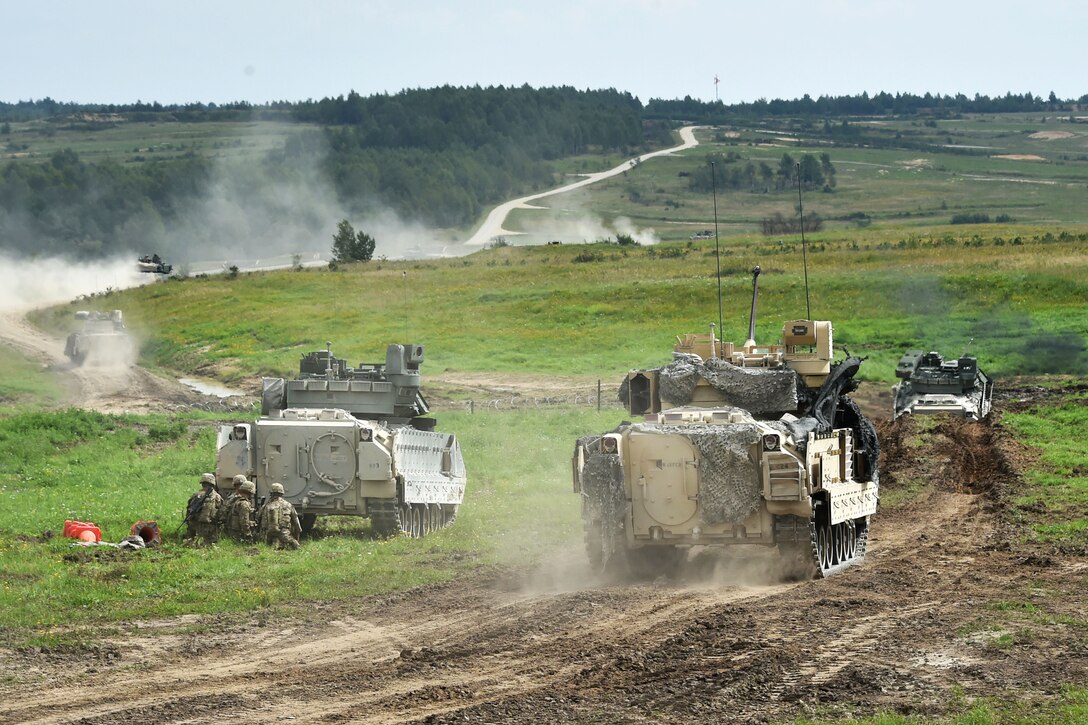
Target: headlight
(365, 434)
(771, 442)
(608, 445)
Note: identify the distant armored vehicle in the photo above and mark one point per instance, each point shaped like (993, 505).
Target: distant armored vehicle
(931, 384)
(738, 445)
(101, 339)
(351, 442)
(153, 264)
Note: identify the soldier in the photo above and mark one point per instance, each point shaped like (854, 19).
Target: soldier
(238, 522)
(202, 510)
(279, 523)
(229, 501)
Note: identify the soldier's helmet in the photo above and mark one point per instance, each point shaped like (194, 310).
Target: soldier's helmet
(249, 487)
(207, 479)
(239, 479)
(276, 488)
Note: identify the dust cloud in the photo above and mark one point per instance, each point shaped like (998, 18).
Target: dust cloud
(701, 567)
(250, 220)
(30, 283)
(583, 228)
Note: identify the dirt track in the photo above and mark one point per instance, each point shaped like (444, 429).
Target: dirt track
(904, 632)
(909, 631)
(117, 387)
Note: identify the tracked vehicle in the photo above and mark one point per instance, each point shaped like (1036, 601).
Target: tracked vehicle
(153, 264)
(930, 384)
(751, 444)
(101, 339)
(351, 442)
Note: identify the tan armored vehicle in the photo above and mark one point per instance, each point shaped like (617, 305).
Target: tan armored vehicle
(752, 444)
(101, 339)
(351, 442)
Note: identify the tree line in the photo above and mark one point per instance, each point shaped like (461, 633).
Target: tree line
(354, 108)
(862, 104)
(727, 172)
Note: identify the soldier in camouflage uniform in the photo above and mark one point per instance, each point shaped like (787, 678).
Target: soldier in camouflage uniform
(279, 524)
(230, 499)
(238, 522)
(202, 511)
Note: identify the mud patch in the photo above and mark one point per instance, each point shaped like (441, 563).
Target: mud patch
(1051, 135)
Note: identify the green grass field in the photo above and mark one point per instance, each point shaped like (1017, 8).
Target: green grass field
(1018, 292)
(511, 310)
(116, 470)
(960, 169)
(140, 142)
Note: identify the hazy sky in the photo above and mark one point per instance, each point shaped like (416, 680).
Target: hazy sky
(121, 51)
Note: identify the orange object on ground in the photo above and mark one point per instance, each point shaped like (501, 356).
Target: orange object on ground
(76, 529)
(148, 531)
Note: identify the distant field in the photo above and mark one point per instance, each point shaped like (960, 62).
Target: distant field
(136, 142)
(904, 187)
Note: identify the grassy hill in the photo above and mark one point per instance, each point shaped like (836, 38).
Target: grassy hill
(598, 310)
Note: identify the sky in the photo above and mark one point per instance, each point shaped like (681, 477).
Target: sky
(122, 51)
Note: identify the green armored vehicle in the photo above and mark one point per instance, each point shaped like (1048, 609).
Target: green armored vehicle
(351, 442)
(752, 444)
(930, 384)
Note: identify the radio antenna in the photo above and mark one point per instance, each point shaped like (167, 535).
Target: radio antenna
(751, 341)
(404, 290)
(804, 248)
(717, 253)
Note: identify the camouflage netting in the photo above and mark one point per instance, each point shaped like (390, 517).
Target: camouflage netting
(729, 481)
(602, 481)
(756, 389)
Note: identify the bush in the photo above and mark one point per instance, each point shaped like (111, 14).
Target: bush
(971, 218)
(589, 256)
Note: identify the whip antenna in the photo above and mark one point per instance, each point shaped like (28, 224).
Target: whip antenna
(804, 249)
(404, 290)
(717, 253)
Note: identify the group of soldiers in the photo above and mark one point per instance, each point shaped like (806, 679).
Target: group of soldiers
(239, 517)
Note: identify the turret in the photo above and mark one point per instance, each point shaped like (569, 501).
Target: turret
(388, 391)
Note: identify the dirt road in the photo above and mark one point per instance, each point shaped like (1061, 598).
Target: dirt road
(493, 224)
(908, 631)
(108, 386)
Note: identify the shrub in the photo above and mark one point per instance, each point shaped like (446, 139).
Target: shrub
(589, 256)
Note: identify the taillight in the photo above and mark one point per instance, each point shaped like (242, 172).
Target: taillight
(771, 442)
(608, 445)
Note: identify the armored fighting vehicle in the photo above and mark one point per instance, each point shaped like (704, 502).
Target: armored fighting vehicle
(101, 339)
(351, 442)
(930, 384)
(751, 444)
(153, 264)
